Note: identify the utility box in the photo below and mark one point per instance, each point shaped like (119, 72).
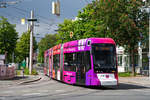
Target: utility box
(2, 71)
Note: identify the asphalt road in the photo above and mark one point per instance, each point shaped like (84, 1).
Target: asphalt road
(47, 89)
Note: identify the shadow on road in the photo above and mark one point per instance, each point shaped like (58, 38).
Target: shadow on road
(16, 78)
(125, 86)
(121, 86)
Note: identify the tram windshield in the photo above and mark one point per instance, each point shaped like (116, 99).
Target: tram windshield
(104, 57)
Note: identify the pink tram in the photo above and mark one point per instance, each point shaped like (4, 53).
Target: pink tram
(90, 62)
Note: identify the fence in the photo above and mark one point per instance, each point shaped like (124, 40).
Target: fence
(7, 72)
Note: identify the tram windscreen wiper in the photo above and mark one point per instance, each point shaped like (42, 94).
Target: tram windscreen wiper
(104, 69)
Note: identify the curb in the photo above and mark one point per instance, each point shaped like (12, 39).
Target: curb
(25, 82)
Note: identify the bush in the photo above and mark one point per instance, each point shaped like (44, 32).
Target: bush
(125, 74)
(26, 71)
(34, 72)
(18, 72)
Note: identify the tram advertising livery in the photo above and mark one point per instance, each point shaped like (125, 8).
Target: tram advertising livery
(90, 62)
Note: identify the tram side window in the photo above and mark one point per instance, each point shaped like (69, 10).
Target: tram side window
(83, 59)
(56, 61)
(47, 61)
(79, 56)
(72, 60)
(69, 62)
(87, 60)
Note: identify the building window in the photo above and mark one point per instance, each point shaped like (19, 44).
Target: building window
(119, 60)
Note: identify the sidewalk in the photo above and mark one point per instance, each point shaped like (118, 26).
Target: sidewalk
(139, 80)
(29, 78)
(19, 80)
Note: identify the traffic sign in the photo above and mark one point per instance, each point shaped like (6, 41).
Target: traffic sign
(71, 34)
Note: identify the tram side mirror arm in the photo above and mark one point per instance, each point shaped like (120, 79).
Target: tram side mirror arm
(91, 51)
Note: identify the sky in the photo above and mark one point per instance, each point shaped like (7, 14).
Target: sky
(47, 22)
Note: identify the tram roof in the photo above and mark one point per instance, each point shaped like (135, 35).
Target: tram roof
(93, 40)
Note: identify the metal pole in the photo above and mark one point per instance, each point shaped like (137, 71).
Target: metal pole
(31, 44)
(28, 27)
(149, 40)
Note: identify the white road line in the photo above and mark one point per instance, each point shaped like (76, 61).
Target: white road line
(29, 94)
(65, 94)
(59, 90)
(8, 92)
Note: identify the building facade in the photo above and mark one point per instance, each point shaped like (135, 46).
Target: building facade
(124, 64)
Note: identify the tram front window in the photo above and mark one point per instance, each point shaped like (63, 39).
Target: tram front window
(104, 57)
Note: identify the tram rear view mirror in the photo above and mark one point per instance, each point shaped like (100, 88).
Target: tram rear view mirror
(65, 63)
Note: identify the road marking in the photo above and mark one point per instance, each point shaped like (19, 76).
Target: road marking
(65, 94)
(43, 91)
(59, 90)
(8, 92)
(29, 94)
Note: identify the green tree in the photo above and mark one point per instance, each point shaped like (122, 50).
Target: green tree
(85, 25)
(47, 42)
(123, 20)
(8, 38)
(64, 31)
(23, 47)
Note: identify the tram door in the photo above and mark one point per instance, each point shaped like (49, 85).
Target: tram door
(47, 62)
(61, 63)
(80, 69)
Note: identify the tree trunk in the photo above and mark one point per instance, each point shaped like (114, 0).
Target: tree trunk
(133, 62)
